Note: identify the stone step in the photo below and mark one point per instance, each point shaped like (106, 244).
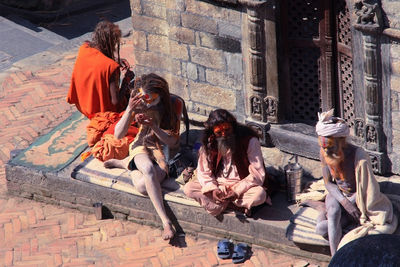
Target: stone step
(45, 171)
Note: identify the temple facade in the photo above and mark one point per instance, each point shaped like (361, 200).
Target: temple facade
(275, 64)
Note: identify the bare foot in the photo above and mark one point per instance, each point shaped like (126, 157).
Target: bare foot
(115, 163)
(247, 212)
(168, 232)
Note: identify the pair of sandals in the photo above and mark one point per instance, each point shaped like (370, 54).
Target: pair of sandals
(238, 252)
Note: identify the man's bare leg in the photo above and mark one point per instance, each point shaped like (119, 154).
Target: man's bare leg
(334, 213)
(117, 163)
(152, 177)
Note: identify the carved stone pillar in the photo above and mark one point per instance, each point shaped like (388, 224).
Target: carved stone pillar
(263, 108)
(367, 24)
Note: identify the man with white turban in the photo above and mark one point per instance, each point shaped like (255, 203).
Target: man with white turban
(353, 192)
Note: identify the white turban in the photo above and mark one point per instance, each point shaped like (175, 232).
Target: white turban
(328, 125)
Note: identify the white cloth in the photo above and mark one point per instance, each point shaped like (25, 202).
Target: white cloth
(328, 125)
(377, 215)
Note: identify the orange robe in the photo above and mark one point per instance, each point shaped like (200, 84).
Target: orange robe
(90, 82)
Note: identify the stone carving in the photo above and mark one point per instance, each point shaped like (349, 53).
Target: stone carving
(371, 134)
(374, 163)
(365, 12)
(271, 106)
(256, 106)
(359, 128)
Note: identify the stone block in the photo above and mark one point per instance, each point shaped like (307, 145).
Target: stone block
(84, 201)
(158, 2)
(149, 24)
(158, 43)
(395, 51)
(191, 71)
(139, 40)
(214, 11)
(207, 57)
(60, 195)
(199, 23)
(154, 10)
(212, 95)
(175, 4)
(394, 100)
(178, 85)
(224, 79)
(396, 67)
(177, 50)
(396, 120)
(27, 187)
(183, 35)
(157, 61)
(136, 7)
(395, 82)
(161, 44)
(234, 63)
(48, 200)
(200, 109)
(118, 208)
(220, 43)
(230, 30)
(396, 140)
(201, 73)
(173, 18)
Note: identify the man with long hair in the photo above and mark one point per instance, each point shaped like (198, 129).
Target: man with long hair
(95, 78)
(150, 105)
(230, 167)
(353, 192)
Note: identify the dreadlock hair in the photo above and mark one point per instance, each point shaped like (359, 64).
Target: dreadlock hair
(210, 143)
(156, 84)
(106, 37)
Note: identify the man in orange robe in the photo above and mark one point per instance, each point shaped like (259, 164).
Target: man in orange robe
(95, 78)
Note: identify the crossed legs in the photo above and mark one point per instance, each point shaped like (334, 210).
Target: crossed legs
(253, 197)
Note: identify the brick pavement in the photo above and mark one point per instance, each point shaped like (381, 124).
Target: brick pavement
(37, 234)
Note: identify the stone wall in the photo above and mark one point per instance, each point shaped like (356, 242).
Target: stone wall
(196, 46)
(391, 40)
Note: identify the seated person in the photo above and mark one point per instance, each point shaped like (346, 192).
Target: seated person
(150, 105)
(230, 167)
(353, 192)
(95, 78)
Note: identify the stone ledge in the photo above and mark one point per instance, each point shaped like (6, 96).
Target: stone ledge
(267, 228)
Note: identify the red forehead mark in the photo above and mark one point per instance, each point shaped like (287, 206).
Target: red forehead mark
(325, 142)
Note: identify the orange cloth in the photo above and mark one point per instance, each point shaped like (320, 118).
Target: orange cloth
(100, 135)
(90, 82)
(110, 147)
(99, 123)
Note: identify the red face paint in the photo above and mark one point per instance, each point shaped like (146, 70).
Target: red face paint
(222, 129)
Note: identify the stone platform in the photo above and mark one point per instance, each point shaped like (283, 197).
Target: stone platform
(51, 171)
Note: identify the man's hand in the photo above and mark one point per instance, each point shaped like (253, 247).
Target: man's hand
(135, 102)
(124, 64)
(351, 209)
(144, 119)
(215, 195)
(230, 195)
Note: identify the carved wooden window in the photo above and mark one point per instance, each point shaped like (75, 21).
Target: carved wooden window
(315, 63)
(344, 62)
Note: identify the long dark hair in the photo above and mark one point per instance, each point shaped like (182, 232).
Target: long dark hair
(156, 84)
(210, 143)
(106, 38)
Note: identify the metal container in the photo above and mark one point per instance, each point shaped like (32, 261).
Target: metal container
(294, 174)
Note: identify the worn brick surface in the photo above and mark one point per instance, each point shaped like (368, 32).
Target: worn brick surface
(37, 234)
